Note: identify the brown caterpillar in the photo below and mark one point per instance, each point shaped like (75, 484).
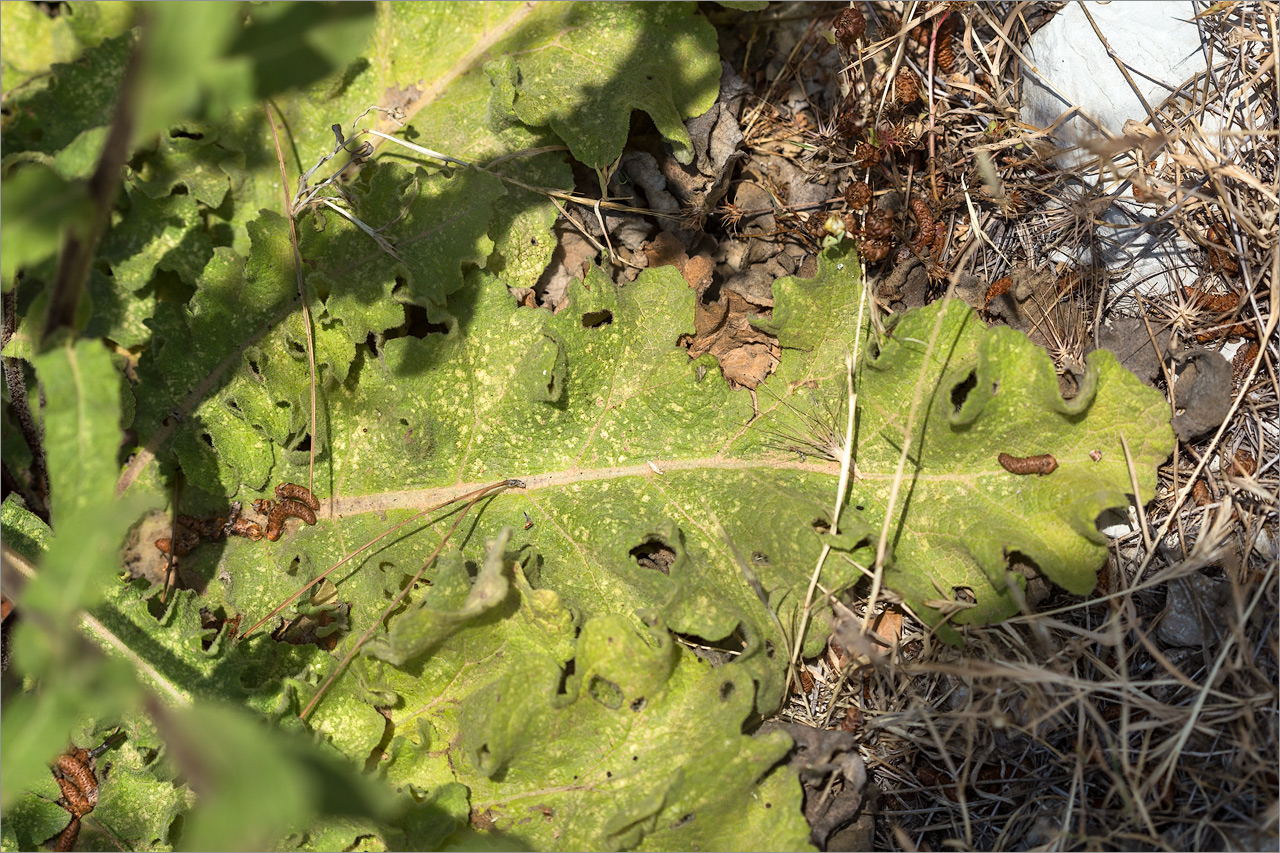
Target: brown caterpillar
(287, 509)
(78, 783)
(1041, 465)
(292, 491)
(187, 541)
(244, 527)
(66, 840)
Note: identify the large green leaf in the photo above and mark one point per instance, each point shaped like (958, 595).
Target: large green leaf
(537, 692)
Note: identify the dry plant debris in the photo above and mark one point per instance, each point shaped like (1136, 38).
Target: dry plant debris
(1145, 716)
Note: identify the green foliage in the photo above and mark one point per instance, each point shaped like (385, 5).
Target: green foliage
(530, 692)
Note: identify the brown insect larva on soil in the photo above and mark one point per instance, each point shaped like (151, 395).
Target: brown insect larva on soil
(292, 491)
(287, 509)
(1041, 465)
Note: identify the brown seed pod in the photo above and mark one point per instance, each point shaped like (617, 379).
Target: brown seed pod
(1220, 259)
(849, 26)
(292, 491)
(879, 225)
(1243, 361)
(999, 287)
(858, 195)
(906, 86)
(865, 155)
(1041, 464)
(945, 56)
(244, 527)
(287, 509)
(924, 218)
(874, 250)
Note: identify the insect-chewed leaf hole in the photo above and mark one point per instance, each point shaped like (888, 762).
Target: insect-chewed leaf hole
(416, 324)
(820, 525)
(562, 689)
(605, 692)
(655, 555)
(727, 689)
(686, 818)
(596, 319)
(960, 392)
(638, 705)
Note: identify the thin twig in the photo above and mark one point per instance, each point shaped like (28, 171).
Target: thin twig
(302, 296)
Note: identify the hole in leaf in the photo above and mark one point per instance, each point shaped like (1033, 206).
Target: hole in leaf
(960, 392)
(760, 558)
(638, 705)
(179, 133)
(596, 319)
(769, 649)
(562, 689)
(687, 818)
(727, 690)
(821, 525)
(175, 831)
(416, 324)
(655, 555)
(206, 438)
(964, 594)
(605, 692)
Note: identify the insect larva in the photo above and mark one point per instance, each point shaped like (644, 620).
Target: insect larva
(66, 840)
(79, 785)
(287, 509)
(244, 527)
(1042, 464)
(187, 541)
(292, 491)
